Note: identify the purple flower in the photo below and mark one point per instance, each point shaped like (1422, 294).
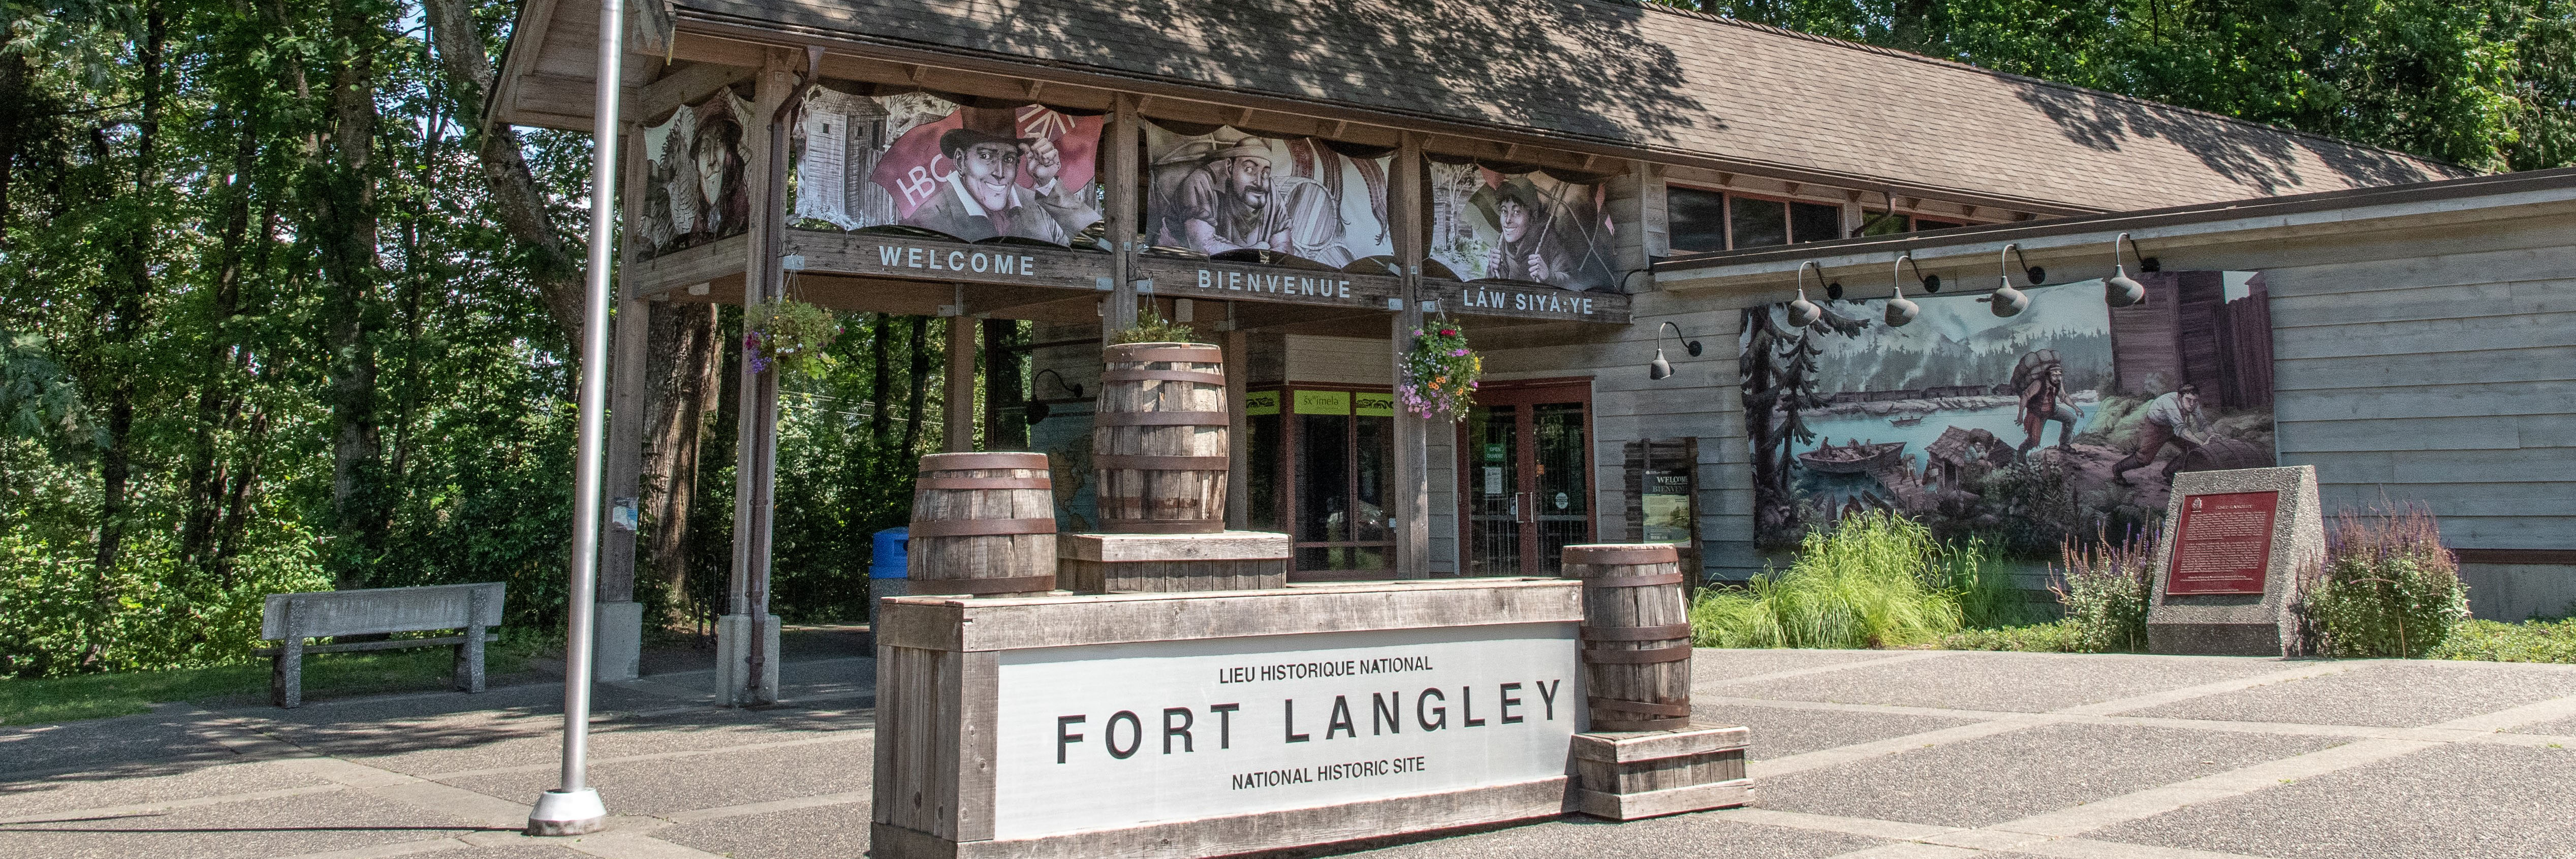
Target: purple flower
(1458, 353)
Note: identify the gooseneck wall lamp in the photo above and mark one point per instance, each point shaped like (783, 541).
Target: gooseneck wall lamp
(2121, 290)
(1901, 310)
(2007, 301)
(1037, 409)
(1802, 312)
(1660, 368)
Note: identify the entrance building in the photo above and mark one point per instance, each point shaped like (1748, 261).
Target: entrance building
(1304, 194)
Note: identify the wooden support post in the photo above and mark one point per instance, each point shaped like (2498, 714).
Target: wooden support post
(1238, 475)
(957, 403)
(744, 666)
(1638, 227)
(1412, 490)
(1121, 309)
(619, 630)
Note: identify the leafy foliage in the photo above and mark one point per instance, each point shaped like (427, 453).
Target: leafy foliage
(1151, 327)
(2528, 641)
(1440, 372)
(790, 334)
(2105, 587)
(1876, 580)
(2387, 588)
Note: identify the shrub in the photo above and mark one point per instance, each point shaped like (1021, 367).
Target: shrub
(1151, 327)
(1873, 581)
(1988, 598)
(2528, 641)
(2058, 637)
(2387, 587)
(2105, 590)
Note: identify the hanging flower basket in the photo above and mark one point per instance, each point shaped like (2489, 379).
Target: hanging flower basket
(1440, 373)
(788, 334)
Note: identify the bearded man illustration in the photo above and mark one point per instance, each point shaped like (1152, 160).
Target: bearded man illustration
(1214, 196)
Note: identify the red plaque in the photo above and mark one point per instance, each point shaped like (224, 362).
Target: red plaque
(2225, 544)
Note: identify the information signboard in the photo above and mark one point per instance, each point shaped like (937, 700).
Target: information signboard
(2224, 544)
(1106, 736)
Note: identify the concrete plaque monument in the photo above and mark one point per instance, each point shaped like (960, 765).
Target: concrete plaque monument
(2228, 566)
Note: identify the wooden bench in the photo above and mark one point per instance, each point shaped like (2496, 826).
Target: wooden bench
(292, 618)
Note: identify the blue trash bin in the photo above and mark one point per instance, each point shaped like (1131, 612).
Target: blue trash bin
(886, 577)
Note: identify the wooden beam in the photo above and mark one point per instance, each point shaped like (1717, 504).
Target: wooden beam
(957, 399)
(1238, 480)
(684, 86)
(756, 434)
(1123, 135)
(1412, 489)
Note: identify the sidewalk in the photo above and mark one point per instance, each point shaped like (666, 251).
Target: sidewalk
(1856, 753)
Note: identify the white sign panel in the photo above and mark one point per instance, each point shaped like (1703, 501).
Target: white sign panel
(1106, 736)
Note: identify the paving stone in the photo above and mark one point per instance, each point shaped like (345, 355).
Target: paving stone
(2462, 801)
(2015, 682)
(2396, 694)
(313, 823)
(667, 785)
(1779, 732)
(163, 737)
(2025, 772)
(1709, 663)
(830, 832)
(139, 785)
(1706, 834)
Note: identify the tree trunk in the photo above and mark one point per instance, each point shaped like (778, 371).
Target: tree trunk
(680, 394)
(1004, 429)
(127, 286)
(914, 394)
(216, 402)
(516, 198)
(880, 378)
(344, 226)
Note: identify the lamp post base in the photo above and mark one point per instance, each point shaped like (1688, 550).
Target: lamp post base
(567, 813)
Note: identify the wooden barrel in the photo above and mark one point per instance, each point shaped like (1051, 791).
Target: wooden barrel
(982, 524)
(1636, 635)
(1159, 439)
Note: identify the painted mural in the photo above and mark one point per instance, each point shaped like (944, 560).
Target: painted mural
(1228, 190)
(694, 188)
(2066, 420)
(919, 160)
(1528, 227)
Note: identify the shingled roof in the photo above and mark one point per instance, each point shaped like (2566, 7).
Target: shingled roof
(1642, 78)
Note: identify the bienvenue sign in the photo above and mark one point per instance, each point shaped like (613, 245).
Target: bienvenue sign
(1106, 736)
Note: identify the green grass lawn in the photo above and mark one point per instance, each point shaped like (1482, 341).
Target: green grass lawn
(94, 696)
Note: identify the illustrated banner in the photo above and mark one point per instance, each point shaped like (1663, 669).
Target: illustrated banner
(2066, 421)
(1527, 227)
(694, 187)
(1228, 190)
(920, 160)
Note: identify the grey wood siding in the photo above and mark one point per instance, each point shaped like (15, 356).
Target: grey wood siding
(2440, 372)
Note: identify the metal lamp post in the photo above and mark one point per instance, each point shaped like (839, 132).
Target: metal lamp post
(573, 808)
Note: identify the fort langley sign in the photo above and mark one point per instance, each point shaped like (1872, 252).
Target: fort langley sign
(1231, 726)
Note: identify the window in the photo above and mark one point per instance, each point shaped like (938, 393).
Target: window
(1815, 222)
(1758, 223)
(1885, 223)
(1921, 224)
(1696, 218)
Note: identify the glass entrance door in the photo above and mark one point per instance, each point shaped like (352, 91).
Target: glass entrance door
(1525, 460)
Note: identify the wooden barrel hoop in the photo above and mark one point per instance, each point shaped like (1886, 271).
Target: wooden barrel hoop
(1159, 439)
(1636, 636)
(983, 524)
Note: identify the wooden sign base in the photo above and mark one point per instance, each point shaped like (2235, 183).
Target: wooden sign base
(1628, 776)
(1214, 723)
(1164, 563)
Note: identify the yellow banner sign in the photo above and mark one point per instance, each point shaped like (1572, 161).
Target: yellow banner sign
(1323, 402)
(1375, 405)
(1261, 403)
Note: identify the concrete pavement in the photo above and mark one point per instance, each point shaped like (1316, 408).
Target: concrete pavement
(1855, 753)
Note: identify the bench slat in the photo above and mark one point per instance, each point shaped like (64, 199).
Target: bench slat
(380, 610)
(394, 644)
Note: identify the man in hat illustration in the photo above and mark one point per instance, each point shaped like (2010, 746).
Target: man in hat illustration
(1540, 242)
(981, 197)
(1223, 202)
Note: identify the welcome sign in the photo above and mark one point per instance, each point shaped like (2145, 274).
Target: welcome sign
(1104, 736)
